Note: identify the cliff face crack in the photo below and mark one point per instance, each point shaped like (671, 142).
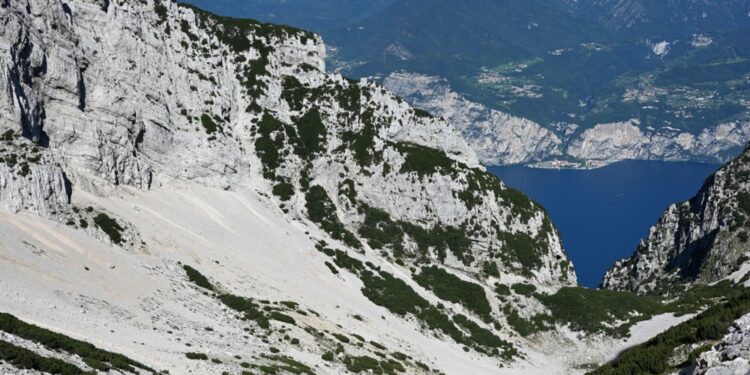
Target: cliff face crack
(81, 86)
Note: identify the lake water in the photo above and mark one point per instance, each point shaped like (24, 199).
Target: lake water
(603, 213)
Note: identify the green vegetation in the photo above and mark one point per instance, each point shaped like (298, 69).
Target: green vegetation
(357, 364)
(452, 288)
(234, 32)
(653, 356)
(246, 306)
(524, 289)
(312, 134)
(285, 364)
(197, 278)
(7, 136)
(161, 12)
(362, 143)
(522, 249)
(56, 341)
(209, 125)
(269, 143)
(196, 356)
(595, 310)
(424, 160)
(22, 358)
(109, 226)
(283, 190)
(520, 205)
(590, 310)
(321, 210)
(281, 317)
(502, 290)
(381, 231)
(384, 289)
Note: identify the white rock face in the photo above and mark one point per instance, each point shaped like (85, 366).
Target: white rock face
(126, 96)
(499, 138)
(699, 241)
(731, 356)
(107, 107)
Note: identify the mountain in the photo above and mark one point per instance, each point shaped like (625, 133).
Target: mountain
(676, 18)
(188, 193)
(196, 193)
(698, 249)
(701, 241)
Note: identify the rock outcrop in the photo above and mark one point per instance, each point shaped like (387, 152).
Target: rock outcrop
(731, 355)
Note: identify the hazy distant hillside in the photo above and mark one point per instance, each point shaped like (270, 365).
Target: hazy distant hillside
(666, 17)
(317, 15)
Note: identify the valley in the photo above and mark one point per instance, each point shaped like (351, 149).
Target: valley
(602, 214)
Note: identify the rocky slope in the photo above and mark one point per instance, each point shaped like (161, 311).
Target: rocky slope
(699, 241)
(165, 170)
(499, 138)
(731, 355)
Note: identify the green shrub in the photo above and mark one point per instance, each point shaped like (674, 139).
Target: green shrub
(321, 210)
(423, 160)
(502, 289)
(7, 136)
(197, 278)
(269, 143)
(490, 269)
(161, 11)
(362, 364)
(250, 309)
(521, 248)
(312, 134)
(275, 315)
(283, 190)
(452, 288)
(55, 341)
(381, 231)
(592, 310)
(524, 289)
(341, 338)
(332, 268)
(22, 358)
(208, 124)
(196, 356)
(109, 226)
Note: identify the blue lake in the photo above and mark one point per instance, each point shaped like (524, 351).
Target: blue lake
(603, 213)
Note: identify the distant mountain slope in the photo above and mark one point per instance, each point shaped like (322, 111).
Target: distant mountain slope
(449, 39)
(316, 15)
(669, 18)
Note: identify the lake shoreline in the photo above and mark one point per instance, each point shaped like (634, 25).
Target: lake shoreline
(603, 213)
